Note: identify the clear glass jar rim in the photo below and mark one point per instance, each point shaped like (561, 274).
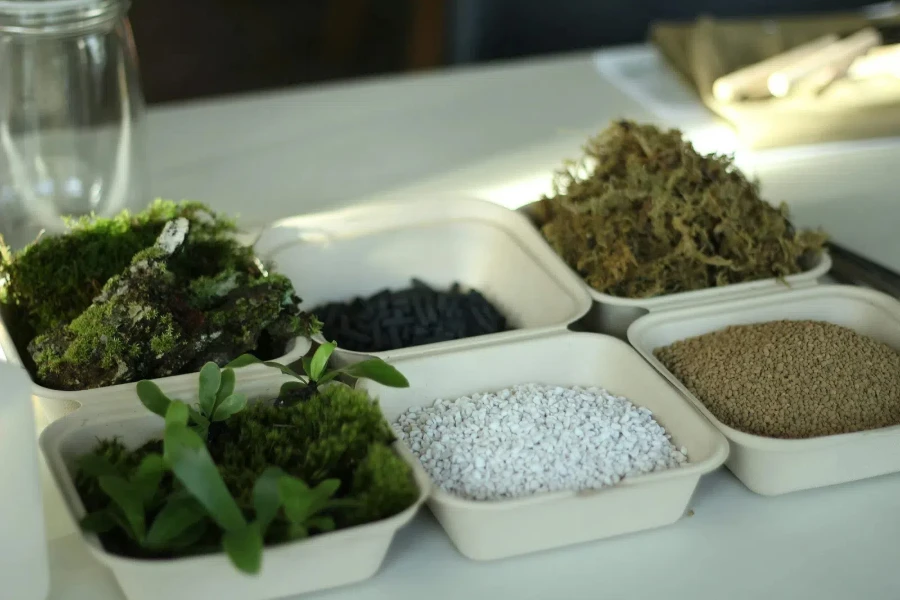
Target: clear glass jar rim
(30, 15)
(53, 7)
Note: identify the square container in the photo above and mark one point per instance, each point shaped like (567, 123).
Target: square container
(613, 315)
(362, 250)
(24, 568)
(773, 466)
(58, 403)
(324, 561)
(485, 530)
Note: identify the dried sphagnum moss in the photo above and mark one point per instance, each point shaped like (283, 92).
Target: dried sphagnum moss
(644, 214)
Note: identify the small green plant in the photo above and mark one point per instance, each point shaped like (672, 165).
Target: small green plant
(191, 493)
(204, 501)
(316, 372)
(217, 400)
(179, 518)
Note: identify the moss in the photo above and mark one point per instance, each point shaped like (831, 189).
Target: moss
(642, 214)
(55, 278)
(339, 432)
(330, 435)
(381, 486)
(188, 299)
(119, 456)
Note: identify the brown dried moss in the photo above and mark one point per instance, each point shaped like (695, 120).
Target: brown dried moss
(643, 214)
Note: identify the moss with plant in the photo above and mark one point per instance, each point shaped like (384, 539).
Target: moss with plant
(236, 477)
(642, 213)
(145, 296)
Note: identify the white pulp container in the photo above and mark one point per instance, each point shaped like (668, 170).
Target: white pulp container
(773, 466)
(613, 315)
(323, 561)
(362, 250)
(58, 403)
(24, 573)
(485, 530)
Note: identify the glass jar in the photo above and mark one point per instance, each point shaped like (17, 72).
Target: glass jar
(72, 138)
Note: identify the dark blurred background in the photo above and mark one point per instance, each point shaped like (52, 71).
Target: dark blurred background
(201, 48)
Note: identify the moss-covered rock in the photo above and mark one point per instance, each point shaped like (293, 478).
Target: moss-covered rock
(193, 296)
(54, 279)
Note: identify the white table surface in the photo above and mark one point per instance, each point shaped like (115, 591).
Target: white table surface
(497, 132)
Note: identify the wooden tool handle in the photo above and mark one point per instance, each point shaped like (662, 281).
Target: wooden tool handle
(752, 80)
(836, 57)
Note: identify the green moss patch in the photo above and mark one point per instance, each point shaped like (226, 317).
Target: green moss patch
(118, 300)
(338, 433)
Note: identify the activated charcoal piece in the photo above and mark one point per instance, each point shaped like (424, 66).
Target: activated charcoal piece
(414, 316)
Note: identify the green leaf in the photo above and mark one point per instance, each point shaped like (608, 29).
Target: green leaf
(226, 387)
(266, 499)
(201, 423)
(210, 379)
(289, 386)
(244, 547)
(153, 398)
(122, 523)
(306, 361)
(323, 492)
(177, 516)
(284, 369)
(148, 475)
(189, 536)
(191, 463)
(320, 360)
(297, 499)
(321, 523)
(300, 502)
(232, 404)
(98, 522)
(242, 361)
(378, 371)
(95, 465)
(197, 417)
(177, 413)
(128, 498)
(328, 377)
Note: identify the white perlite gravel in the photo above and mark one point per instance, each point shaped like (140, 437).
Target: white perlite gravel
(535, 438)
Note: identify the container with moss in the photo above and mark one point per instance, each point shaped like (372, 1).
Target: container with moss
(146, 296)
(296, 490)
(647, 221)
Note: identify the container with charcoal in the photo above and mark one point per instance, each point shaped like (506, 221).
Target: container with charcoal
(414, 316)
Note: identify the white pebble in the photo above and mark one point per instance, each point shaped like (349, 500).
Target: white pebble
(534, 438)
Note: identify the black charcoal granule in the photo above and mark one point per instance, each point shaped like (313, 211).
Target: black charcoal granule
(414, 316)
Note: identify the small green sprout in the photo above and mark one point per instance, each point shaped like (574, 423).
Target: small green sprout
(316, 373)
(217, 400)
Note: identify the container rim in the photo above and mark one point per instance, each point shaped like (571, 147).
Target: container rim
(717, 458)
(57, 432)
(819, 267)
(356, 221)
(819, 264)
(297, 348)
(760, 442)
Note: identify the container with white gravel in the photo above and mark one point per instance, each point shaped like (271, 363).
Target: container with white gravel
(581, 386)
